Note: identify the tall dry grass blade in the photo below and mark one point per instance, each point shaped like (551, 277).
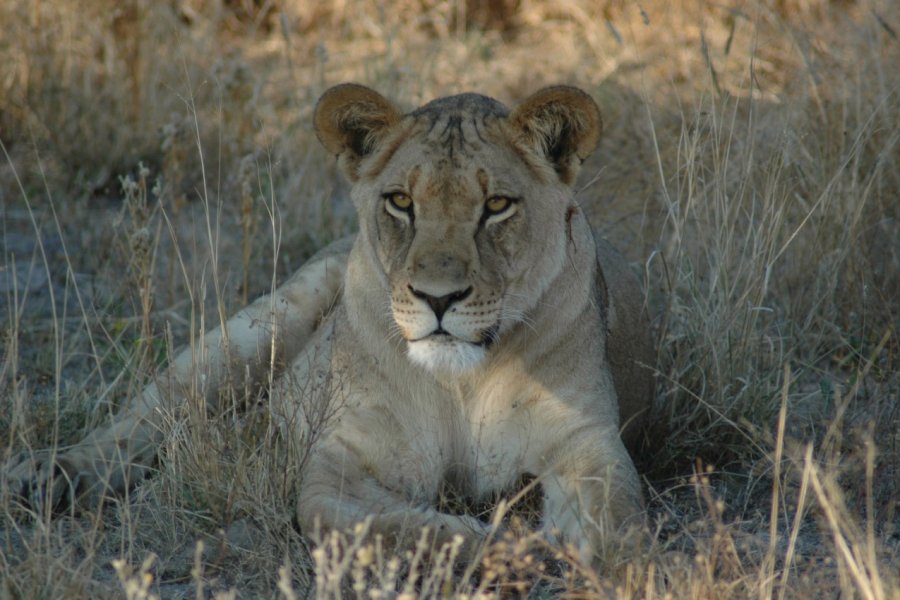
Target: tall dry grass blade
(767, 574)
(848, 550)
(799, 514)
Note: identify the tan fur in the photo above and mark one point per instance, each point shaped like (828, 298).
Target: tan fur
(468, 347)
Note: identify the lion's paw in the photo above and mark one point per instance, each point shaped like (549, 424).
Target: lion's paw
(53, 481)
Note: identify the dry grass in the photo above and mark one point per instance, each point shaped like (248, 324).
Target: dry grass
(159, 168)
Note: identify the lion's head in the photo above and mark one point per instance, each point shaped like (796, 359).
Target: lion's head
(463, 207)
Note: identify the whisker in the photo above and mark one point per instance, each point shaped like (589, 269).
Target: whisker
(517, 316)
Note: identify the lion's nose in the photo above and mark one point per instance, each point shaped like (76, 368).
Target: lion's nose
(440, 304)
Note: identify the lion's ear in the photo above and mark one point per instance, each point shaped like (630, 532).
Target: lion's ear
(350, 120)
(561, 123)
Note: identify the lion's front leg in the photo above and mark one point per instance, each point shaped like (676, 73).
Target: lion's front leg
(592, 498)
(100, 466)
(245, 352)
(340, 489)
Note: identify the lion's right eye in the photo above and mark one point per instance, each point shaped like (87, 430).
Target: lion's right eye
(400, 201)
(399, 205)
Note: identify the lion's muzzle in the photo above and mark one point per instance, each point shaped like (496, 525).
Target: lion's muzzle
(440, 304)
(449, 332)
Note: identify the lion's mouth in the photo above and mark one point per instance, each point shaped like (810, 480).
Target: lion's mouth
(441, 336)
(442, 352)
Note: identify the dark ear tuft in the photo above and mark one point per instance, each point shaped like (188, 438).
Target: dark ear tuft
(562, 124)
(350, 120)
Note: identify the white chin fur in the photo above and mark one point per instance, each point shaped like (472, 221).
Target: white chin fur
(445, 356)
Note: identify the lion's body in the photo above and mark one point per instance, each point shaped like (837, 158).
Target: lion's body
(468, 343)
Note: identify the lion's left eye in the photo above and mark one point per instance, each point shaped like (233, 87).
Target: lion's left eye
(497, 205)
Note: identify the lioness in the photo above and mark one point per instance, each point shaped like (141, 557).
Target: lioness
(472, 333)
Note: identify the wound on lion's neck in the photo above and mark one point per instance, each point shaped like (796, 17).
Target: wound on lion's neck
(570, 212)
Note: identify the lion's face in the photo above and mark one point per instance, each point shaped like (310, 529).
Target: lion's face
(455, 219)
(464, 214)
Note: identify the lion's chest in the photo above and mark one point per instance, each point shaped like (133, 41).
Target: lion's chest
(497, 438)
(418, 437)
